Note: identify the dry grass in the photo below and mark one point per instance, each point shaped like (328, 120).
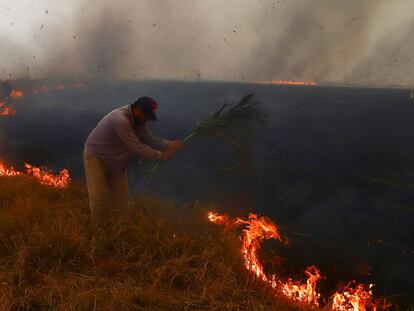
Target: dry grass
(51, 259)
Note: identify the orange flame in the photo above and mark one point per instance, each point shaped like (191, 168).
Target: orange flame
(258, 229)
(353, 299)
(8, 171)
(42, 176)
(216, 218)
(304, 293)
(16, 93)
(47, 178)
(6, 110)
(286, 82)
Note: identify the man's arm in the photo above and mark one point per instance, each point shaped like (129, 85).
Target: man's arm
(154, 141)
(130, 139)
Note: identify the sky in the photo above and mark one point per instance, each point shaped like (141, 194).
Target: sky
(326, 41)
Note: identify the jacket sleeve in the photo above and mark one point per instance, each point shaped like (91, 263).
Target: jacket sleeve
(129, 138)
(153, 141)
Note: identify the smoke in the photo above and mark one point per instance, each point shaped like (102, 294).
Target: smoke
(314, 42)
(324, 41)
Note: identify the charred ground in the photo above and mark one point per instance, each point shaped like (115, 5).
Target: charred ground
(333, 168)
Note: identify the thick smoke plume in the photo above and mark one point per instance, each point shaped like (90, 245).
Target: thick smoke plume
(323, 41)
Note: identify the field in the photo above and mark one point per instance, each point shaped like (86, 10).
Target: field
(333, 169)
(52, 259)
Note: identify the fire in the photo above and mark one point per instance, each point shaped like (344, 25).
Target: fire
(16, 93)
(305, 293)
(6, 110)
(42, 176)
(286, 82)
(216, 218)
(256, 229)
(353, 299)
(47, 178)
(8, 171)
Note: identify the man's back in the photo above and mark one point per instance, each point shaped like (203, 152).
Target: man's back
(116, 137)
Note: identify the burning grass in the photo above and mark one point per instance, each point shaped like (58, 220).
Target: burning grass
(41, 175)
(50, 258)
(256, 230)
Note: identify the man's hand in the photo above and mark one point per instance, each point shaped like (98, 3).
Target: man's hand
(175, 144)
(168, 154)
(172, 148)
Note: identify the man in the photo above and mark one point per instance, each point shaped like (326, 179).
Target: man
(120, 134)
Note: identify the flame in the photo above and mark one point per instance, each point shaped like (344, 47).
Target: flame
(305, 293)
(286, 82)
(47, 178)
(8, 171)
(16, 93)
(216, 218)
(42, 176)
(353, 299)
(256, 229)
(6, 110)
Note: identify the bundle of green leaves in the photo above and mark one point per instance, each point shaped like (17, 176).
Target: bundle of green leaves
(230, 125)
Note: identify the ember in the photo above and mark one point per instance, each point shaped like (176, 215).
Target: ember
(6, 110)
(16, 93)
(216, 218)
(258, 229)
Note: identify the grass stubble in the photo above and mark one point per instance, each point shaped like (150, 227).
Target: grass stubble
(166, 259)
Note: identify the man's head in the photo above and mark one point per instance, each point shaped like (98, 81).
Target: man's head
(144, 108)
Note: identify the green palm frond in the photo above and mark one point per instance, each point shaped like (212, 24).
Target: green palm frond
(230, 126)
(235, 121)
